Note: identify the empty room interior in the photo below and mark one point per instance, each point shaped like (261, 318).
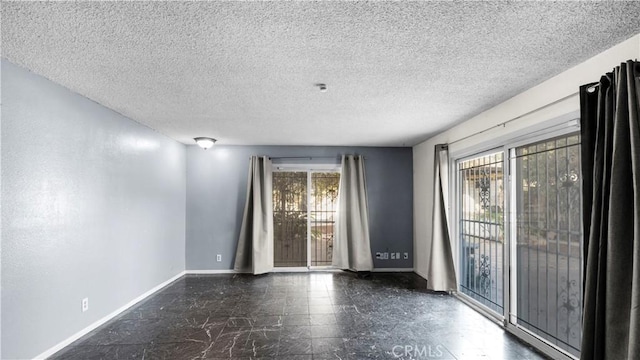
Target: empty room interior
(320, 180)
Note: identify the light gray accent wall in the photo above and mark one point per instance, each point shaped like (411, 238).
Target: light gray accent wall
(217, 185)
(93, 205)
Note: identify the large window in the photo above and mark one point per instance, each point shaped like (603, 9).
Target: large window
(519, 228)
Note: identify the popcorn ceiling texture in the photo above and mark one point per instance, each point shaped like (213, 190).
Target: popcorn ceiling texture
(244, 72)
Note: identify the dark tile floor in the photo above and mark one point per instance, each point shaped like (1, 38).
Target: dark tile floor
(299, 316)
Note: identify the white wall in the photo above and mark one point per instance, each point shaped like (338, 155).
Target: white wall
(540, 103)
(93, 205)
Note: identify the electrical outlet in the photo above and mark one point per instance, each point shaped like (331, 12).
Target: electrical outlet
(85, 304)
(385, 255)
(406, 256)
(393, 256)
(218, 258)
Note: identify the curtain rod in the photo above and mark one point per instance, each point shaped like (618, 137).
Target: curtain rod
(303, 157)
(593, 87)
(503, 124)
(309, 157)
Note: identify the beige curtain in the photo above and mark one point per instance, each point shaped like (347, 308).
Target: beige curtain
(255, 245)
(441, 274)
(351, 244)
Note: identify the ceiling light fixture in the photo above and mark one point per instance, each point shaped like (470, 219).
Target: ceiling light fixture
(205, 142)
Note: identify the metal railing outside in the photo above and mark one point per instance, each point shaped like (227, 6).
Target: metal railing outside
(324, 201)
(304, 221)
(290, 219)
(481, 225)
(549, 240)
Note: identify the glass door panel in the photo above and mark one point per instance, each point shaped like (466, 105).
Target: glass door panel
(290, 219)
(482, 229)
(324, 196)
(548, 240)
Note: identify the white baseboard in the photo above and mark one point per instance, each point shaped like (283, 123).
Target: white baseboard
(207, 272)
(292, 269)
(301, 269)
(392, 270)
(96, 324)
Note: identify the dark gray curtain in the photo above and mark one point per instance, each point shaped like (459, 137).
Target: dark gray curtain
(610, 131)
(441, 274)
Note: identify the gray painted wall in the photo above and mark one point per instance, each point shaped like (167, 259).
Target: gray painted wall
(217, 185)
(93, 205)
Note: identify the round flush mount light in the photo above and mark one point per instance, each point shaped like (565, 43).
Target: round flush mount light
(205, 142)
(322, 87)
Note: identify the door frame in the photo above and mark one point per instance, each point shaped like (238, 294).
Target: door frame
(309, 169)
(562, 125)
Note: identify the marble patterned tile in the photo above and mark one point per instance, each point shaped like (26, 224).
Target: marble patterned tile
(328, 331)
(322, 319)
(295, 332)
(96, 352)
(296, 320)
(180, 350)
(296, 310)
(329, 346)
(295, 347)
(298, 316)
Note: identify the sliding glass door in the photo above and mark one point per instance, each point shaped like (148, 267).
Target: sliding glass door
(304, 207)
(548, 240)
(323, 206)
(519, 228)
(290, 217)
(481, 226)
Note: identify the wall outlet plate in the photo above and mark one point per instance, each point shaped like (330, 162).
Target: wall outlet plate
(218, 258)
(385, 256)
(406, 256)
(393, 256)
(85, 304)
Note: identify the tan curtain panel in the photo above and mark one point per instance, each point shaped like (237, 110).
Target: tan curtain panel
(441, 274)
(255, 245)
(351, 244)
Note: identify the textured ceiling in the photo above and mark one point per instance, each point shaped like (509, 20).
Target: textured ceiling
(244, 72)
